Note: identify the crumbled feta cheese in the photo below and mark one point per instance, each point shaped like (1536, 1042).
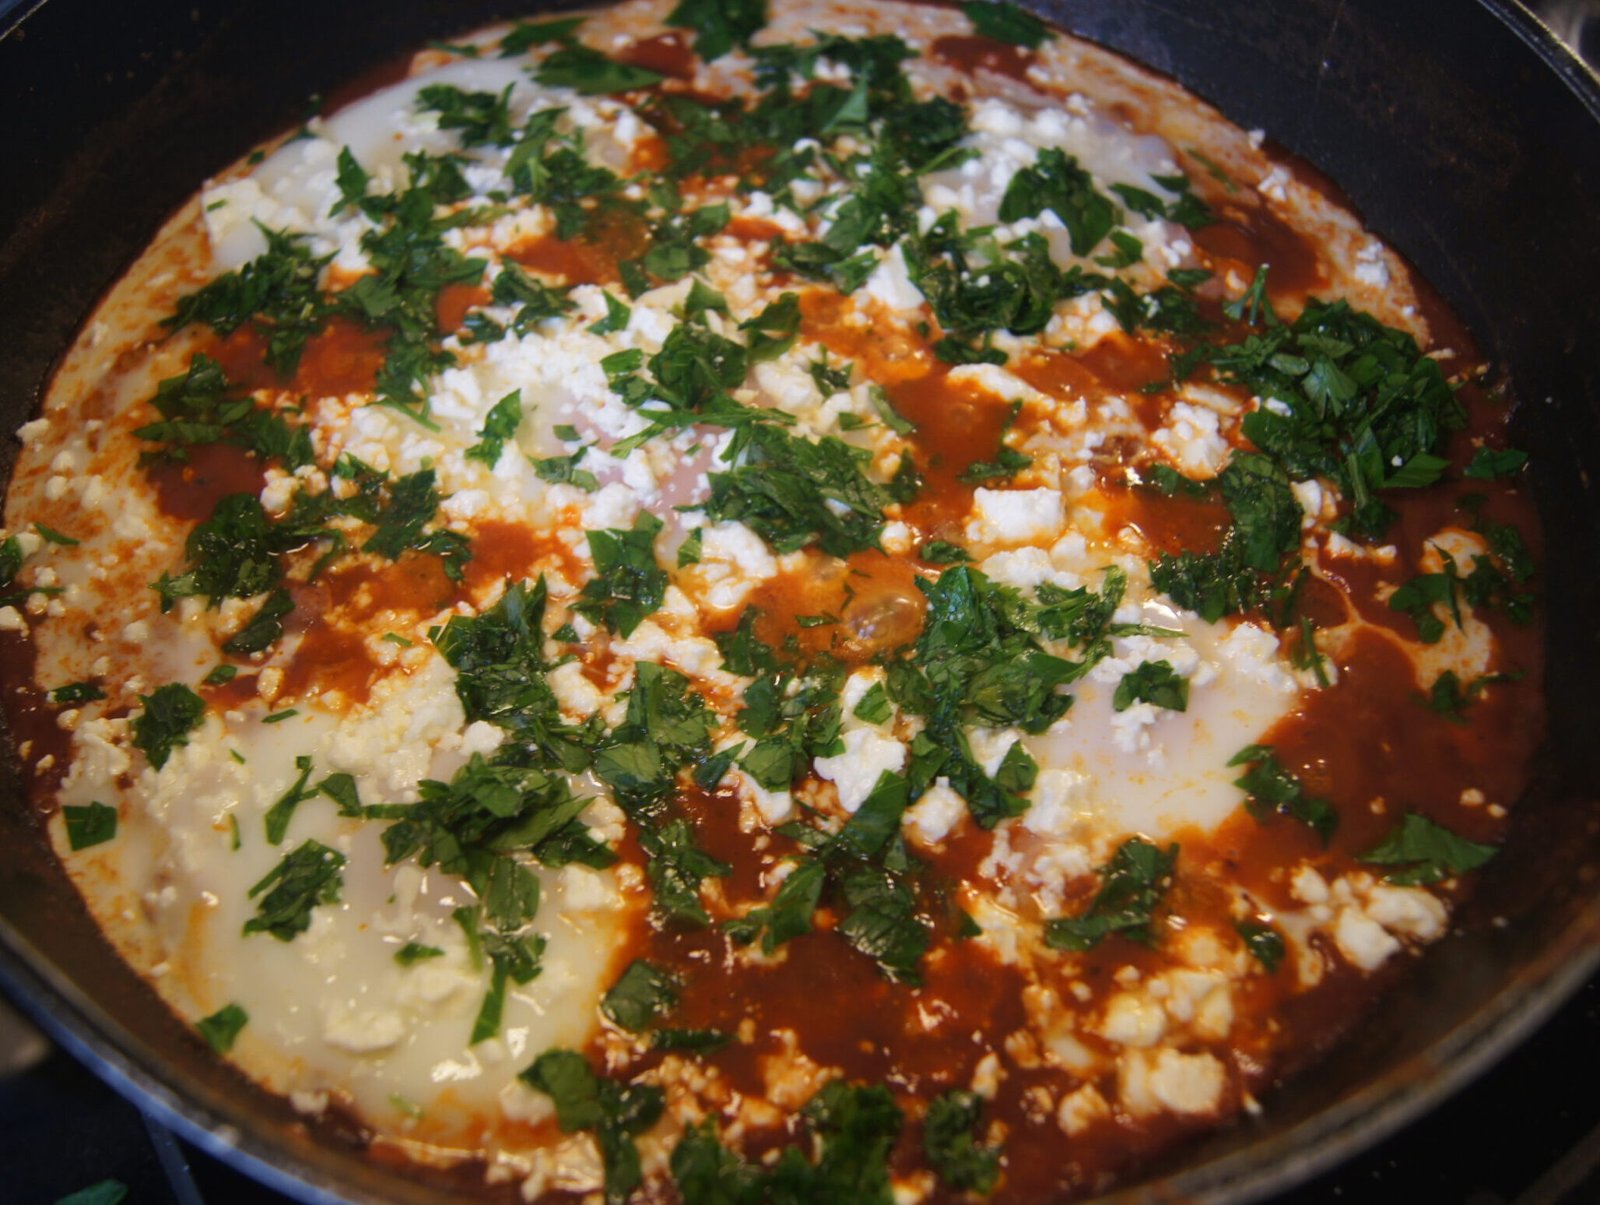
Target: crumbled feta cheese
(867, 755)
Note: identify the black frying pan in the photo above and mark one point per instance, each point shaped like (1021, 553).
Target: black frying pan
(1459, 129)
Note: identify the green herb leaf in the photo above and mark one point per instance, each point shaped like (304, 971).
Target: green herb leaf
(794, 493)
(949, 1139)
(874, 706)
(92, 824)
(856, 1127)
(709, 1173)
(103, 1192)
(789, 915)
(413, 502)
(719, 25)
(1421, 852)
(589, 73)
(482, 118)
(690, 550)
(264, 628)
(882, 921)
(1489, 463)
(500, 669)
(698, 1041)
(74, 694)
(309, 875)
(616, 319)
(414, 952)
(676, 869)
(1058, 183)
(1132, 885)
(170, 714)
(51, 536)
(1006, 23)
(774, 330)
(523, 36)
(1154, 682)
(1274, 790)
(1264, 942)
(641, 994)
(281, 812)
(628, 584)
(667, 728)
(616, 1113)
(941, 552)
(499, 428)
(221, 1028)
(279, 291)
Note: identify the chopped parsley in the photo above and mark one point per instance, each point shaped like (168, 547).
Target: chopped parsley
(852, 1130)
(1132, 886)
(479, 118)
(1489, 463)
(280, 813)
(616, 319)
(642, 993)
(309, 875)
(263, 628)
(203, 407)
(1264, 942)
(719, 25)
(523, 36)
(978, 661)
(853, 1127)
(279, 292)
(950, 1142)
(170, 714)
(613, 1112)
(1058, 183)
(589, 73)
(233, 554)
(1420, 852)
(864, 866)
(628, 584)
(564, 470)
(1006, 23)
(93, 824)
(499, 427)
(1349, 399)
(1249, 571)
(1154, 682)
(1450, 697)
(1273, 790)
(476, 825)
(501, 671)
(976, 285)
(411, 264)
(874, 706)
(221, 1029)
(676, 869)
(414, 952)
(75, 693)
(666, 728)
(412, 503)
(51, 536)
(794, 492)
